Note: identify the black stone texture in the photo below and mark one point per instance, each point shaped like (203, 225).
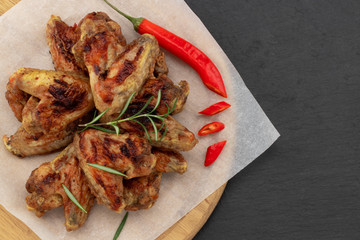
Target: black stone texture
(301, 61)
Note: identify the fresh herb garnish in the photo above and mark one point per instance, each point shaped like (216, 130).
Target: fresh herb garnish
(72, 198)
(151, 116)
(118, 231)
(106, 169)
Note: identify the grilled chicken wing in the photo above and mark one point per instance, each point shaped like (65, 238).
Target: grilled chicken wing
(113, 86)
(46, 191)
(61, 38)
(58, 100)
(126, 153)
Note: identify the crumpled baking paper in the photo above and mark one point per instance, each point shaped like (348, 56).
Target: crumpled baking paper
(248, 131)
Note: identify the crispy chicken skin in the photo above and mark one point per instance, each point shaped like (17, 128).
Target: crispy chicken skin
(61, 38)
(46, 191)
(58, 100)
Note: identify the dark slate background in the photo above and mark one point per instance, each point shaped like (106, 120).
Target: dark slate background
(301, 61)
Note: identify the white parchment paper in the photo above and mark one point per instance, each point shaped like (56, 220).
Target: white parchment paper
(248, 131)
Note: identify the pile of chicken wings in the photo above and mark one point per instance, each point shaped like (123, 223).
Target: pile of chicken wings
(96, 69)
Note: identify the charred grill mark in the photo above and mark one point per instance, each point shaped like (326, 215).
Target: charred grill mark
(109, 154)
(125, 72)
(128, 67)
(96, 69)
(69, 98)
(117, 200)
(50, 178)
(125, 151)
(103, 75)
(87, 48)
(100, 181)
(131, 146)
(65, 38)
(61, 82)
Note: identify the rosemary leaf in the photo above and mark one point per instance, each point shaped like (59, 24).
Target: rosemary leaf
(146, 131)
(82, 130)
(140, 114)
(106, 169)
(126, 106)
(173, 107)
(121, 226)
(162, 124)
(143, 108)
(155, 128)
(117, 130)
(164, 133)
(103, 129)
(98, 117)
(72, 198)
(157, 102)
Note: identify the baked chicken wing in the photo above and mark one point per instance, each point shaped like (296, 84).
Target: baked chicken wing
(46, 192)
(55, 102)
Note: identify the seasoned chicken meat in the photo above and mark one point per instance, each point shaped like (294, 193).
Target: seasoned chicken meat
(49, 104)
(61, 38)
(126, 153)
(46, 192)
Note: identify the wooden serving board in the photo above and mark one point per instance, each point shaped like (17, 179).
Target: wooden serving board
(11, 228)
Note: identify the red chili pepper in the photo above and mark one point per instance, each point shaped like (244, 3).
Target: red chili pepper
(211, 128)
(215, 108)
(213, 152)
(190, 54)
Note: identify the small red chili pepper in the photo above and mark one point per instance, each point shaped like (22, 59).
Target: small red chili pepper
(190, 54)
(215, 108)
(213, 152)
(211, 128)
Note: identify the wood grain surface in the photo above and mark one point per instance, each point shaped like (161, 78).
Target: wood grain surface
(11, 228)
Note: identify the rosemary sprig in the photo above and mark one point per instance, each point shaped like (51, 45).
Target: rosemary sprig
(106, 169)
(151, 116)
(121, 226)
(72, 198)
